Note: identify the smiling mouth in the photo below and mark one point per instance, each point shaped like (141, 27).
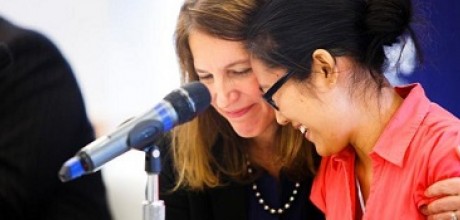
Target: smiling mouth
(238, 113)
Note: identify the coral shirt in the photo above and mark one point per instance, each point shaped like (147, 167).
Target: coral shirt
(416, 149)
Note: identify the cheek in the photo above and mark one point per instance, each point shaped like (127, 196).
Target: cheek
(251, 81)
(249, 86)
(291, 102)
(213, 93)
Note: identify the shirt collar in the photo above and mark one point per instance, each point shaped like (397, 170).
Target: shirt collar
(346, 156)
(395, 139)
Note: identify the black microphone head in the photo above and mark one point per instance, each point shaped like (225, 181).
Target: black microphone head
(189, 100)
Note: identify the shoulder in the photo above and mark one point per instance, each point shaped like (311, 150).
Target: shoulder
(14, 35)
(436, 141)
(35, 61)
(28, 49)
(439, 118)
(439, 128)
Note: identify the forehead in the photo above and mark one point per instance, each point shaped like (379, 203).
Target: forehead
(209, 50)
(265, 75)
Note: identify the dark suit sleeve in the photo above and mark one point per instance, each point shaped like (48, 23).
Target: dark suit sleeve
(42, 124)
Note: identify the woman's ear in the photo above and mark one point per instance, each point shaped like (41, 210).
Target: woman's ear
(323, 66)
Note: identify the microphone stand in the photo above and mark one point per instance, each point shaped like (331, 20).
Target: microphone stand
(142, 137)
(153, 207)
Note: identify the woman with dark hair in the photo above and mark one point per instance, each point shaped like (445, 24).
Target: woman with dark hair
(320, 64)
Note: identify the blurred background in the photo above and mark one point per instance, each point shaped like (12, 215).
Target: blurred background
(122, 54)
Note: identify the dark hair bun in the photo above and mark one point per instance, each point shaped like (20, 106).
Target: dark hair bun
(386, 20)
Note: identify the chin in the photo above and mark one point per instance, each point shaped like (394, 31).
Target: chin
(246, 132)
(251, 128)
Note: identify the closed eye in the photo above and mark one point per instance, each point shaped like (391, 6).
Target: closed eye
(205, 77)
(241, 72)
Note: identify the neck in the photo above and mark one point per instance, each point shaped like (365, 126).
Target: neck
(373, 120)
(262, 152)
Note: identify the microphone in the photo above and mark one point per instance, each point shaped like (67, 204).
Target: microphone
(179, 106)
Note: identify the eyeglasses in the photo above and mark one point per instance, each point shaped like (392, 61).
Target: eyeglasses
(268, 96)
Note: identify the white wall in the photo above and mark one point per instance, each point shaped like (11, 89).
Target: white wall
(122, 54)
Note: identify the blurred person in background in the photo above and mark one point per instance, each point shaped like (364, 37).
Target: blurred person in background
(43, 122)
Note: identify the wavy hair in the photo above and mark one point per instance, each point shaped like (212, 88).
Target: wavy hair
(207, 151)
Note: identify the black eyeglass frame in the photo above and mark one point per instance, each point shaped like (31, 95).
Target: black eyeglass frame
(268, 96)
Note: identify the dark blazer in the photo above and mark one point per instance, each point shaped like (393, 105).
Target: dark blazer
(223, 203)
(42, 124)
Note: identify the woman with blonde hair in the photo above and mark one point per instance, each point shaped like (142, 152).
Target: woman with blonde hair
(233, 161)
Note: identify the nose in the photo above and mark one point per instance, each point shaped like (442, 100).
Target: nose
(281, 119)
(225, 93)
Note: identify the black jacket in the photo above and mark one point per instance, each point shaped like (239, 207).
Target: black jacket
(223, 203)
(42, 124)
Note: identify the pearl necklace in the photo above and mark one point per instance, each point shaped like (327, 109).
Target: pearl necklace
(264, 205)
